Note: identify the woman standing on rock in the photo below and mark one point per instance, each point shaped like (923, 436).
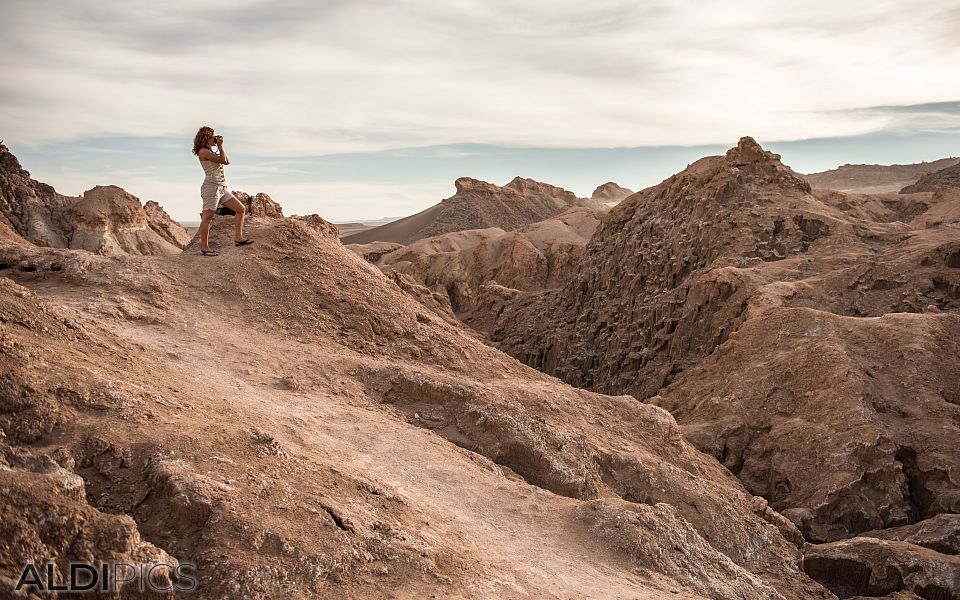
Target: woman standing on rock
(214, 190)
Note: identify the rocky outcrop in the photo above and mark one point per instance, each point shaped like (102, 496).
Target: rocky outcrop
(105, 220)
(260, 205)
(108, 220)
(160, 222)
(659, 286)
(831, 418)
(610, 193)
(45, 519)
(948, 177)
(940, 533)
(33, 209)
(872, 567)
(476, 205)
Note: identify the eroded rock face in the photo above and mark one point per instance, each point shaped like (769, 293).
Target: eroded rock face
(476, 205)
(825, 417)
(108, 220)
(940, 533)
(260, 205)
(465, 266)
(33, 209)
(659, 286)
(44, 517)
(872, 567)
(640, 530)
(164, 226)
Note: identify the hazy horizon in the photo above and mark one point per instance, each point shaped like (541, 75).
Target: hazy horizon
(402, 182)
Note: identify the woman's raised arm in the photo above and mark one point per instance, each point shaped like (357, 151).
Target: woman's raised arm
(209, 155)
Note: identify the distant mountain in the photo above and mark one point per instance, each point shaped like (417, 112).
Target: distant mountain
(610, 193)
(476, 205)
(875, 179)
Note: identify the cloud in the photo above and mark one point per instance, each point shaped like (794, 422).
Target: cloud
(288, 78)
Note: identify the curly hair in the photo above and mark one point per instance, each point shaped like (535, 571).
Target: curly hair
(202, 139)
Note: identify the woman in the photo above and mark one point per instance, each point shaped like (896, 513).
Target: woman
(214, 190)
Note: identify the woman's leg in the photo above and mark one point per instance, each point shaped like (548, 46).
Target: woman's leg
(205, 218)
(241, 210)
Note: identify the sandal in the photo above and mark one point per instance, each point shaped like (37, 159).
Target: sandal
(242, 242)
(209, 252)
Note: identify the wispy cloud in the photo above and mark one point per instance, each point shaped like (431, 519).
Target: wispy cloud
(288, 78)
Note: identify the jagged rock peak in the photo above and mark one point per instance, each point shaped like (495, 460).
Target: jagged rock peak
(469, 184)
(531, 186)
(9, 162)
(749, 151)
(518, 186)
(752, 163)
(260, 205)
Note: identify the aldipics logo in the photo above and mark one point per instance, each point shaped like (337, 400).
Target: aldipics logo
(107, 577)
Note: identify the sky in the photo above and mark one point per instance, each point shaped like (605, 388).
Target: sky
(366, 109)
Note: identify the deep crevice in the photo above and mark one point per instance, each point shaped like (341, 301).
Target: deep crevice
(919, 498)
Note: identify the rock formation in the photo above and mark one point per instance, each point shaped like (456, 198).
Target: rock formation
(33, 209)
(874, 179)
(798, 337)
(105, 220)
(664, 278)
(610, 193)
(108, 220)
(940, 534)
(472, 269)
(260, 205)
(870, 567)
(161, 223)
(476, 205)
(948, 177)
(845, 424)
(356, 446)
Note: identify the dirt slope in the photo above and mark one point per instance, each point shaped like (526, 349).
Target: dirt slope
(476, 205)
(287, 419)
